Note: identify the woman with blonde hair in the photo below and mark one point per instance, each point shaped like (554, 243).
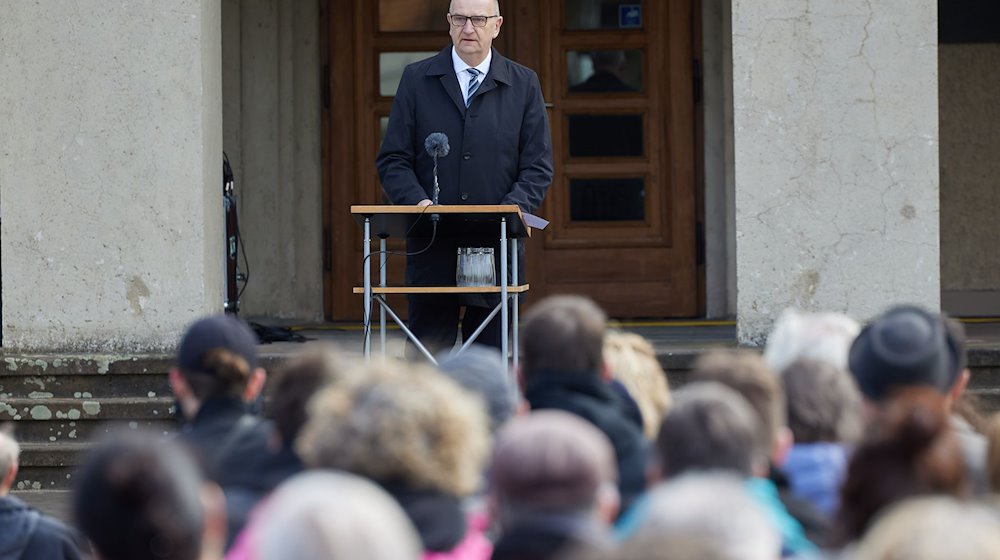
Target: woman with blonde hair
(633, 363)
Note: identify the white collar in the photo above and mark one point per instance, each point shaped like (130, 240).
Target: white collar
(461, 66)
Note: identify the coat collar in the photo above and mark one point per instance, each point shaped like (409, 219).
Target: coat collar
(441, 65)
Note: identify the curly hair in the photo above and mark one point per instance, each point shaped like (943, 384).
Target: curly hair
(399, 423)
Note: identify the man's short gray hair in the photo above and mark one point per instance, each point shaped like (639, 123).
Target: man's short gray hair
(710, 427)
(496, 5)
(713, 507)
(824, 403)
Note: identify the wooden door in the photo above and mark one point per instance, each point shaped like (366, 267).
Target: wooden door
(617, 77)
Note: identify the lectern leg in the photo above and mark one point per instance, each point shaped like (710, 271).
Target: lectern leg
(505, 333)
(381, 311)
(514, 311)
(367, 250)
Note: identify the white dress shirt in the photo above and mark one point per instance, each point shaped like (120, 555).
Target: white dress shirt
(461, 67)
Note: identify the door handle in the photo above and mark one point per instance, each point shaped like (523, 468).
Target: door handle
(549, 105)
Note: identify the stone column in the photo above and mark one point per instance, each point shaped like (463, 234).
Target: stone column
(111, 223)
(836, 157)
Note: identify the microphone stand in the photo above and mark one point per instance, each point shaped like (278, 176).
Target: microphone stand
(437, 190)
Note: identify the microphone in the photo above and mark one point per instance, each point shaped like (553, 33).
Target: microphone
(437, 146)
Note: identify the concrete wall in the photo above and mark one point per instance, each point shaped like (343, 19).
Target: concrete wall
(110, 154)
(273, 138)
(836, 155)
(720, 195)
(970, 174)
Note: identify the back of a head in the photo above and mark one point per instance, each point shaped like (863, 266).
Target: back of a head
(290, 389)
(906, 346)
(710, 428)
(908, 450)
(551, 461)
(10, 451)
(401, 423)
(563, 334)
(931, 529)
(824, 403)
(714, 508)
(325, 515)
(746, 372)
(217, 356)
(823, 337)
(632, 362)
(138, 497)
(481, 370)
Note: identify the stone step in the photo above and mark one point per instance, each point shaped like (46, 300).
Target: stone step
(53, 431)
(22, 409)
(147, 385)
(49, 466)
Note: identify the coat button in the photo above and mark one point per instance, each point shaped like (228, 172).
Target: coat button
(466, 155)
(465, 196)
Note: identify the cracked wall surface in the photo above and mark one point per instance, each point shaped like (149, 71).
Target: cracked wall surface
(836, 157)
(110, 172)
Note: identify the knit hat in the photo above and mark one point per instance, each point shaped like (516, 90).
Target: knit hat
(905, 346)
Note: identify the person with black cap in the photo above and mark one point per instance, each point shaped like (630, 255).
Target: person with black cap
(216, 375)
(908, 346)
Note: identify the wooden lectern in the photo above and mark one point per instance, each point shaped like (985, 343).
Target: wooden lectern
(384, 221)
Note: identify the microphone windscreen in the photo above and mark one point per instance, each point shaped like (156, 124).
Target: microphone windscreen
(436, 144)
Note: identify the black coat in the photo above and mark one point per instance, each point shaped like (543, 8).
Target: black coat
(246, 461)
(501, 150)
(590, 397)
(26, 534)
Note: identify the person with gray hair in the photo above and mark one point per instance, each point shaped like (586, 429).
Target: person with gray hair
(327, 515)
(825, 416)
(715, 509)
(824, 337)
(27, 534)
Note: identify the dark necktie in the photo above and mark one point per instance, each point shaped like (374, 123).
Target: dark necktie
(473, 84)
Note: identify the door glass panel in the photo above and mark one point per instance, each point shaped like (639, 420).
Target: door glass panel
(605, 135)
(604, 71)
(604, 14)
(390, 68)
(410, 15)
(607, 199)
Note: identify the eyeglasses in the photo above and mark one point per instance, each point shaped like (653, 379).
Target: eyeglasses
(477, 21)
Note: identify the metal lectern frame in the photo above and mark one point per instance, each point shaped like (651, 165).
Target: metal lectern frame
(384, 221)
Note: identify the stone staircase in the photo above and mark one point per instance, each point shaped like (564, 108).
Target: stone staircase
(61, 405)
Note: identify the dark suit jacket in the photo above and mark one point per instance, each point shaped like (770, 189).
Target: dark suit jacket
(501, 150)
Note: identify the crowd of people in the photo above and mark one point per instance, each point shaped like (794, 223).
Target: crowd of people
(836, 442)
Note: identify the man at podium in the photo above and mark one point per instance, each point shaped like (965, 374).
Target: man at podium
(492, 112)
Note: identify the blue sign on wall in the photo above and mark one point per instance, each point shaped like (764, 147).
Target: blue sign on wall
(630, 16)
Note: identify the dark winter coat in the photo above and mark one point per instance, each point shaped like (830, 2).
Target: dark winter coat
(26, 534)
(500, 150)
